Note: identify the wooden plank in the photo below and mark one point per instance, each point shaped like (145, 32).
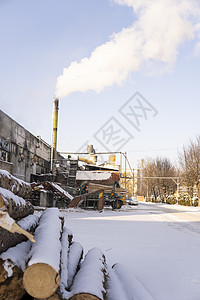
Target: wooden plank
(101, 200)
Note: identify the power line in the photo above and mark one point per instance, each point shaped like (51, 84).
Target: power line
(151, 150)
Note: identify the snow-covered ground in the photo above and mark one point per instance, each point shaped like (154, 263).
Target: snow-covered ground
(157, 244)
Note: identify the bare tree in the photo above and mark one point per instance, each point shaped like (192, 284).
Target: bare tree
(158, 187)
(190, 165)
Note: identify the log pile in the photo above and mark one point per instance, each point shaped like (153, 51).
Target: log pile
(52, 267)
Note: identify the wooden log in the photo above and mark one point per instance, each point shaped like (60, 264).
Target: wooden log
(12, 288)
(12, 265)
(53, 297)
(16, 206)
(8, 239)
(17, 186)
(9, 224)
(75, 257)
(64, 260)
(89, 282)
(41, 278)
(114, 287)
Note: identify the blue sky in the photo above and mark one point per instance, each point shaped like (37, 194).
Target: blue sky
(41, 38)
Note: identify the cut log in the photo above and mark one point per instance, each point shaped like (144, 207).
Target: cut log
(41, 278)
(90, 279)
(12, 265)
(114, 287)
(64, 260)
(8, 239)
(75, 256)
(16, 206)
(17, 186)
(9, 224)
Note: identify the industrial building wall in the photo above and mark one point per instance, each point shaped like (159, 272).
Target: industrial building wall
(24, 153)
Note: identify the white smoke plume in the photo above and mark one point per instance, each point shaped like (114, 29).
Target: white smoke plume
(152, 42)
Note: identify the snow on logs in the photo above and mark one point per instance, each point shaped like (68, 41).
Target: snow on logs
(75, 256)
(16, 206)
(41, 278)
(65, 244)
(15, 185)
(89, 282)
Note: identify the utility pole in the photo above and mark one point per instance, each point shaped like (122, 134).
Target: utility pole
(125, 171)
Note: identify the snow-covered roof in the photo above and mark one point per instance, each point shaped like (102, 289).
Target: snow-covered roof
(93, 175)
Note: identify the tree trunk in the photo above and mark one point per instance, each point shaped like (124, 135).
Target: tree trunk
(198, 188)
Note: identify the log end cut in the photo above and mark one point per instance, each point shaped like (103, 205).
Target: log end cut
(41, 280)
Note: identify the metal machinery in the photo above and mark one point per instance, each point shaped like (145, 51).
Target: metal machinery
(66, 175)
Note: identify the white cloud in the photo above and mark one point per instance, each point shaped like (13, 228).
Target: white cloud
(154, 38)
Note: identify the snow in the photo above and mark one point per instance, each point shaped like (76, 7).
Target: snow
(157, 246)
(6, 194)
(28, 222)
(133, 287)
(75, 253)
(115, 290)
(47, 247)
(62, 191)
(16, 256)
(64, 260)
(93, 175)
